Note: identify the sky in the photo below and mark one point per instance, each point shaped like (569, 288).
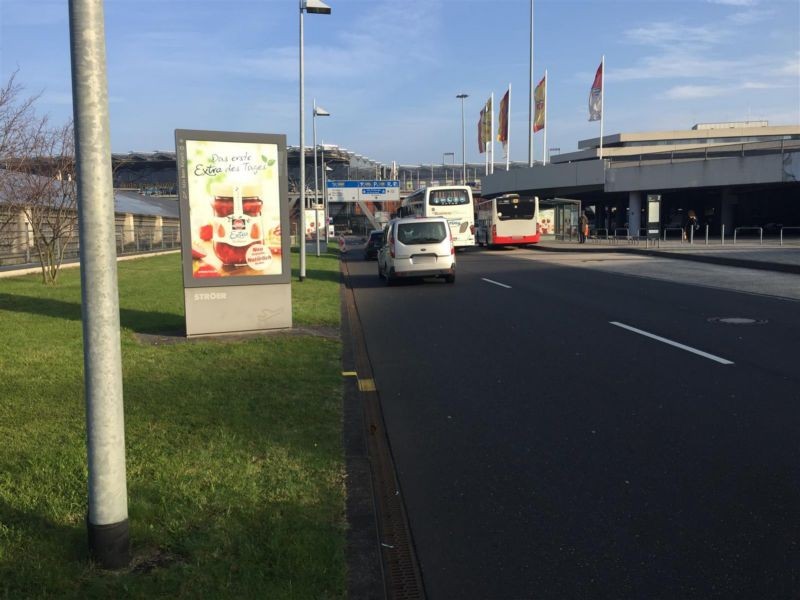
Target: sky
(389, 71)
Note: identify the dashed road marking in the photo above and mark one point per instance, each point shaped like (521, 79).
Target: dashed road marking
(673, 343)
(496, 283)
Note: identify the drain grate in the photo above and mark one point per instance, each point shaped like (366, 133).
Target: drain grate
(403, 579)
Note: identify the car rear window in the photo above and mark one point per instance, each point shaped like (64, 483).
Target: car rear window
(421, 233)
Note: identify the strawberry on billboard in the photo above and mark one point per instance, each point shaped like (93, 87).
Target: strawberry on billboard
(234, 215)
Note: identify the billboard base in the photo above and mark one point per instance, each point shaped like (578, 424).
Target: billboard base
(225, 310)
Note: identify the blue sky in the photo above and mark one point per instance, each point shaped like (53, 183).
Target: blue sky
(389, 72)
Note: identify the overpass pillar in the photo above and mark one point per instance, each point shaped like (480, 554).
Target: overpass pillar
(634, 213)
(728, 210)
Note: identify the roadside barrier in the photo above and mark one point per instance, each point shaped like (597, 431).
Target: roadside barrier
(785, 228)
(18, 248)
(759, 229)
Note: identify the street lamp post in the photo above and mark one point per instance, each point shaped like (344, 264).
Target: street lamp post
(318, 112)
(320, 8)
(463, 142)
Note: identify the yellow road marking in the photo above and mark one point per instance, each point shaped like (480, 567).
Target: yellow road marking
(349, 374)
(366, 385)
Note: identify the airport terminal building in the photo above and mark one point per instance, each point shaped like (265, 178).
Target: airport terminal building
(736, 175)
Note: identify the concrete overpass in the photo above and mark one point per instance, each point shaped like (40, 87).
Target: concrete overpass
(746, 183)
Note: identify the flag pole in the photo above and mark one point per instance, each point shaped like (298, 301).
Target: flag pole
(602, 100)
(530, 97)
(508, 129)
(491, 137)
(544, 142)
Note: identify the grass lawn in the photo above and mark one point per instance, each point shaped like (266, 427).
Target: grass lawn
(235, 468)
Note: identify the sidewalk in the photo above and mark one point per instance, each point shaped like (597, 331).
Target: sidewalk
(750, 255)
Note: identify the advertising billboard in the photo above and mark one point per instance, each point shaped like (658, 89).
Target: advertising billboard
(234, 228)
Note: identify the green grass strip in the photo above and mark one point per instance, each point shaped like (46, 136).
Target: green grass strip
(234, 460)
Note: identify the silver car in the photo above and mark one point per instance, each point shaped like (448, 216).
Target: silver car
(417, 247)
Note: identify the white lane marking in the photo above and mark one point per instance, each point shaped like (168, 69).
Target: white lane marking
(671, 343)
(496, 283)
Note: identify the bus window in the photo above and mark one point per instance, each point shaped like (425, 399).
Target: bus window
(515, 208)
(454, 197)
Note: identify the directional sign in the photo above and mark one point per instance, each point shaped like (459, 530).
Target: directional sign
(371, 190)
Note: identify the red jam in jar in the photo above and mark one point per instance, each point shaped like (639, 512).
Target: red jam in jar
(237, 221)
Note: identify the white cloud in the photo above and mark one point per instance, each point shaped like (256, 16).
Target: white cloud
(750, 17)
(734, 2)
(664, 34)
(693, 92)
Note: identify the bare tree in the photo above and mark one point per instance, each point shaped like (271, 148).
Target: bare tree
(36, 179)
(15, 115)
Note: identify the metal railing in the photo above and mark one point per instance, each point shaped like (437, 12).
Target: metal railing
(706, 152)
(666, 236)
(759, 229)
(785, 228)
(17, 246)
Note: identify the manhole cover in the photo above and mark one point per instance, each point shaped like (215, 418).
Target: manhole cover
(737, 321)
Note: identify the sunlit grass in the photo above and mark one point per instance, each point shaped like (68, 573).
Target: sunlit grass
(234, 458)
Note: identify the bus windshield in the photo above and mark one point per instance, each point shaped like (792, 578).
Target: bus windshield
(515, 208)
(448, 197)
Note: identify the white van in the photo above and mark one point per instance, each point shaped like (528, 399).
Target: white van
(417, 247)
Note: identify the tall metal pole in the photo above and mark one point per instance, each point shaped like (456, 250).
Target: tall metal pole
(324, 193)
(463, 142)
(530, 97)
(302, 232)
(316, 189)
(107, 518)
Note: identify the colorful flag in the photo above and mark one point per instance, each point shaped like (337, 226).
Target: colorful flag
(502, 120)
(539, 105)
(596, 96)
(485, 125)
(481, 142)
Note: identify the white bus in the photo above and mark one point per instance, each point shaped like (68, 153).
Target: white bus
(453, 202)
(508, 220)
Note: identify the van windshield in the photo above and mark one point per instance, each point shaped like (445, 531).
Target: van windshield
(421, 233)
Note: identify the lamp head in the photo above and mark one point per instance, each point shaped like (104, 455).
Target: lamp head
(462, 96)
(315, 7)
(321, 112)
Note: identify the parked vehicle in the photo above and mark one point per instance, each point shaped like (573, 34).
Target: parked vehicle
(417, 247)
(373, 243)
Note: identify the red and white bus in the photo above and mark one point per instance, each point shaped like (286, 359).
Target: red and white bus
(507, 220)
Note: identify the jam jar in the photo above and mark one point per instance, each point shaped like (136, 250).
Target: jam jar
(238, 223)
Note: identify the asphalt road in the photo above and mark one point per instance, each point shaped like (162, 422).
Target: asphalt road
(548, 446)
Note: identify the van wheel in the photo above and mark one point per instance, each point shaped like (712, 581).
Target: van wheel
(450, 278)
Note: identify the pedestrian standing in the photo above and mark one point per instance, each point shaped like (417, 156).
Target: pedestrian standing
(691, 226)
(583, 227)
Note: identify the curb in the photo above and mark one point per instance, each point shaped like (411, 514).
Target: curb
(744, 263)
(381, 556)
